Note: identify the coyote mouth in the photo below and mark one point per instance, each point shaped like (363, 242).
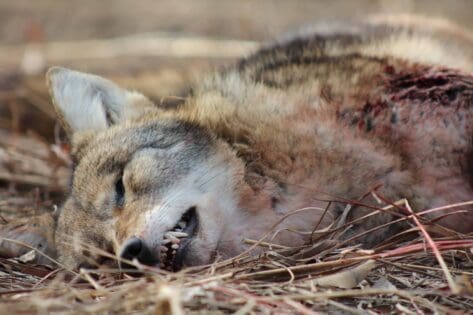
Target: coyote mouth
(175, 241)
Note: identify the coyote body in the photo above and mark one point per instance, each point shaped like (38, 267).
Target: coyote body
(279, 142)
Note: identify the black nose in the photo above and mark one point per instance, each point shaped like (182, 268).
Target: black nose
(135, 248)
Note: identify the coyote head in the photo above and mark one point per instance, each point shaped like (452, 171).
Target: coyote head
(145, 186)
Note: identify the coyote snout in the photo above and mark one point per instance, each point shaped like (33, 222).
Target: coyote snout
(282, 140)
(173, 247)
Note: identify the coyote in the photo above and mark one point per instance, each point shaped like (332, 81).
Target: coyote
(367, 114)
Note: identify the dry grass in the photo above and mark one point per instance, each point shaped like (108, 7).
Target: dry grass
(401, 276)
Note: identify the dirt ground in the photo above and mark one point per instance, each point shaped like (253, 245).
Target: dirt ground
(159, 47)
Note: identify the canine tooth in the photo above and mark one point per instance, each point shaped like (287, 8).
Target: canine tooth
(171, 236)
(175, 246)
(180, 234)
(182, 224)
(166, 241)
(163, 248)
(173, 252)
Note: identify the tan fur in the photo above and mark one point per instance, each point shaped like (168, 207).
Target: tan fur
(324, 117)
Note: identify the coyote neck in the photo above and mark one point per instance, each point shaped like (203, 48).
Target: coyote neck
(276, 217)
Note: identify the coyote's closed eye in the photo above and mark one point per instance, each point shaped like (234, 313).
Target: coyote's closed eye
(323, 117)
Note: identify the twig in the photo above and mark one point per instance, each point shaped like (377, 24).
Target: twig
(451, 283)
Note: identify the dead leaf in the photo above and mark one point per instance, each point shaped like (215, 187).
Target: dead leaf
(347, 279)
(28, 257)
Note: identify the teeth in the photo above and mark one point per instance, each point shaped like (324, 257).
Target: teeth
(176, 242)
(175, 234)
(170, 244)
(170, 236)
(180, 234)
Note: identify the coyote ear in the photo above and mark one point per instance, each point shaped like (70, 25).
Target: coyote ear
(85, 101)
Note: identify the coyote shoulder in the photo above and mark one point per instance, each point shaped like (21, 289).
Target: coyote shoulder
(278, 143)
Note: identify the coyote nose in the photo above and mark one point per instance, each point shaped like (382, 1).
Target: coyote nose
(135, 248)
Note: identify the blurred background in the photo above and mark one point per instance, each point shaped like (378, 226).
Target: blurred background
(104, 34)
(243, 19)
(154, 46)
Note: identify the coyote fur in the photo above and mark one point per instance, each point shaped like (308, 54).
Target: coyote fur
(276, 145)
